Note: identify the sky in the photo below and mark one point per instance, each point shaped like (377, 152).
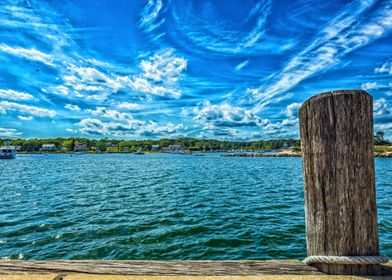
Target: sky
(222, 69)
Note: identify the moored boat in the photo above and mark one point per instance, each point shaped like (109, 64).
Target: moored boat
(139, 152)
(7, 152)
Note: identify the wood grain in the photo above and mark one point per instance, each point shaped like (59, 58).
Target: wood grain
(339, 184)
(271, 267)
(162, 268)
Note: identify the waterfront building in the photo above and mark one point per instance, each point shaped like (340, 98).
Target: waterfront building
(172, 149)
(48, 147)
(155, 148)
(80, 147)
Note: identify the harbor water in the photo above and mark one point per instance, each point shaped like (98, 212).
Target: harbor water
(161, 206)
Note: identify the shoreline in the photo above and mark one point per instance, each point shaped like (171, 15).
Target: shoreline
(295, 154)
(249, 154)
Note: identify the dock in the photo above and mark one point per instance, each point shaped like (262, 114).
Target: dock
(233, 269)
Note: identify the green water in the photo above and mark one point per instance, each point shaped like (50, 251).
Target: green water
(160, 207)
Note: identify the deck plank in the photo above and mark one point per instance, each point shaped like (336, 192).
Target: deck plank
(273, 267)
(206, 268)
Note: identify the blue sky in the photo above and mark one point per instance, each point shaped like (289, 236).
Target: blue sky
(230, 70)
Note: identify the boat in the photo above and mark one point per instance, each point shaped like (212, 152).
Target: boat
(7, 152)
(139, 152)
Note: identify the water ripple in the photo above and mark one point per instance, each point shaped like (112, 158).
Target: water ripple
(160, 207)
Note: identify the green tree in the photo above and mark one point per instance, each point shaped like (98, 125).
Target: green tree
(68, 144)
(379, 139)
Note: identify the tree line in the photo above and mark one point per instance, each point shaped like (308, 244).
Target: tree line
(191, 144)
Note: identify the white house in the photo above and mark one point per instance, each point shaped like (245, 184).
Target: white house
(155, 148)
(173, 149)
(80, 147)
(48, 147)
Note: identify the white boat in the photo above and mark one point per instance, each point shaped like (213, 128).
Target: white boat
(7, 152)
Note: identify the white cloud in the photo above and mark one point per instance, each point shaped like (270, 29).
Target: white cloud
(89, 82)
(30, 54)
(380, 108)
(153, 129)
(128, 129)
(57, 90)
(9, 132)
(369, 86)
(385, 68)
(292, 110)
(127, 105)
(111, 114)
(289, 122)
(163, 67)
(72, 107)
(25, 118)
(385, 127)
(14, 95)
(160, 74)
(225, 115)
(32, 110)
(117, 129)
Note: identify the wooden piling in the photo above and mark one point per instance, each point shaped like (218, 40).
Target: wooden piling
(338, 166)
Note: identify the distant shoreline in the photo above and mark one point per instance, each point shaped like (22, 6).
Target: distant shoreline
(248, 154)
(295, 154)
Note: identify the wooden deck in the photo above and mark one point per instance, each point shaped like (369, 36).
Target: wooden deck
(163, 268)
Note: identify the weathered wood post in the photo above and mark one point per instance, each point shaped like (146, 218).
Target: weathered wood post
(338, 167)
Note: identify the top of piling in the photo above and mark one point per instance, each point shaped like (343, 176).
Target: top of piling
(332, 93)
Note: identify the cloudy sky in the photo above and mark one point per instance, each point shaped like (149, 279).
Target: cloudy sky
(235, 70)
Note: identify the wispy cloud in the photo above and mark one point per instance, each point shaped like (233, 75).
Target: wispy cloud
(369, 86)
(72, 107)
(15, 95)
(385, 68)
(261, 10)
(200, 34)
(111, 114)
(25, 118)
(241, 65)
(381, 108)
(29, 54)
(347, 32)
(57, 90)
(150, 15)
(32, 110)
(9, 132)
(127, 106)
